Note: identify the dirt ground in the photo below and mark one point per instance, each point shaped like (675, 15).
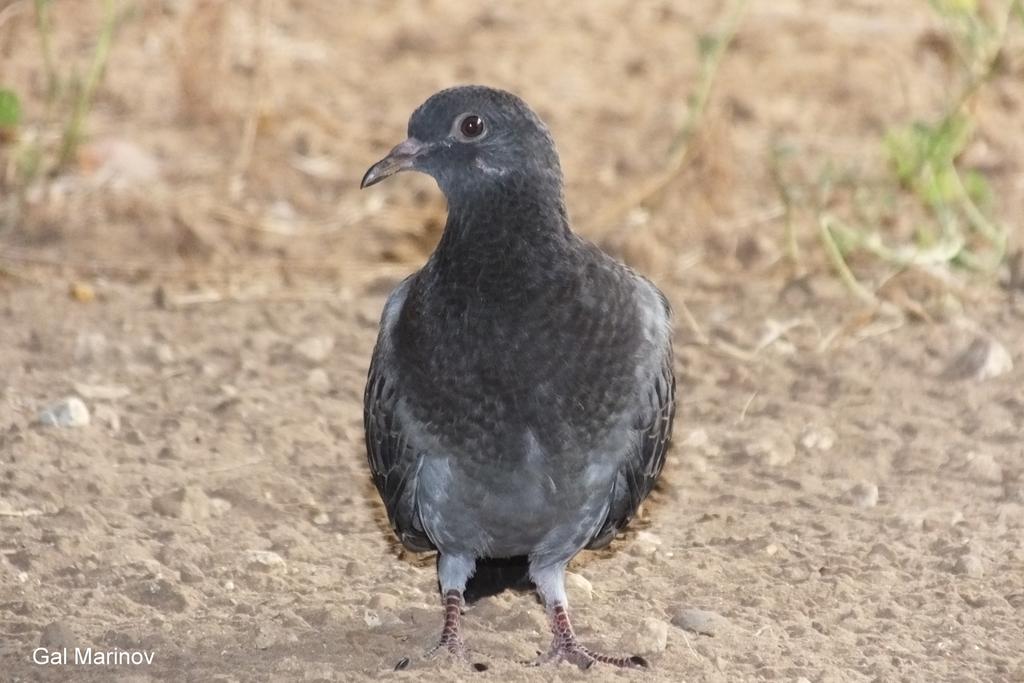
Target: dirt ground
(845, 497)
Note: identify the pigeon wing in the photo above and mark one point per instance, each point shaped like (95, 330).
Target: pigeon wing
(394, 462)
(644, 462)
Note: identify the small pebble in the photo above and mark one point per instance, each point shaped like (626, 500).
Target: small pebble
(700, 621)
(384, 601)
(794, 573)
(697, 439)
(696, 463)
(699, 442)
(189, 503)
(82, 292)
(321, 518)
(163, 354)
(159, 594)
(89, 346)
(57, 635)
(218, 506)
(1013, 492)
(318, 381)
(881, 554)
(645, 544)
(580, 590)
(70, 412)
(102, 392)
(891, 611)
(315, 349)
(134, 437)
(1010, 515)
(969, 565)
(863, 495)
(265, 637)
(817, 438)
(34, 342)
(772, 447)
(984, 359)
(105, 415)
(649, 638)
(984, 468)
(530, 620)
(265, 560)
(189, 573)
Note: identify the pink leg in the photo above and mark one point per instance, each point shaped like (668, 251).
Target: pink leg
(451, 637)
(566, 647)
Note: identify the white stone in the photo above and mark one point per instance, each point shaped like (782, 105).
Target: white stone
(70, 412)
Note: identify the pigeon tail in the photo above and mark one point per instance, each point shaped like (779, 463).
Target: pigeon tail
(494, 575)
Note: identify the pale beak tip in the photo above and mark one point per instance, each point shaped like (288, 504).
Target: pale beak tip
(401, 158)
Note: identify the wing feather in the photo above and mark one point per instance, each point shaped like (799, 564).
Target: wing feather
(646, 458)
(393, 462)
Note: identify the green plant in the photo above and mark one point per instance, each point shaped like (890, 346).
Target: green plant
(85, 90)
(10, 110)
(68, 96)
(711, 49)
(924, 158)
(51, 143)
(44, 29)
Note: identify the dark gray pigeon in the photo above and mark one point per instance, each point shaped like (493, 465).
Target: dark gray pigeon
(521, 395)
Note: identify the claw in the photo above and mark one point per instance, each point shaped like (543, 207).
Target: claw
(565, 647)
(451, 637)
(453, 647)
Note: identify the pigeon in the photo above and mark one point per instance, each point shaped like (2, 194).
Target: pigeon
(521, 395)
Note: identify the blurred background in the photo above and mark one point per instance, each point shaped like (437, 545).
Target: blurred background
(831, 194)
(178, 133)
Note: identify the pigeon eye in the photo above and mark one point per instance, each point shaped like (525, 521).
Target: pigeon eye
(471, 126)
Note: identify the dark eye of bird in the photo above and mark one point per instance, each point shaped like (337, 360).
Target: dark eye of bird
(471, 126)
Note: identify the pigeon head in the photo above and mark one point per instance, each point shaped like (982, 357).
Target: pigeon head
(472, 139)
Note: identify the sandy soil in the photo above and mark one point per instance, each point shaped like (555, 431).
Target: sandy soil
(845, 497)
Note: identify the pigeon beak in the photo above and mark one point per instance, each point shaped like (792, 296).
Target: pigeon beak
(401, 158)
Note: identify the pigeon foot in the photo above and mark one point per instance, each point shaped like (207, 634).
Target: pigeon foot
(565, 647)
(451, 636)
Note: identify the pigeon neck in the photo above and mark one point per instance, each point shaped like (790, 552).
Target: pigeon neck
(521, 229)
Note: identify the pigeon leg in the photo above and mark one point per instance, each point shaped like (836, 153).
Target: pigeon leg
(451, 636)
(453, 572)
(564, 646)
